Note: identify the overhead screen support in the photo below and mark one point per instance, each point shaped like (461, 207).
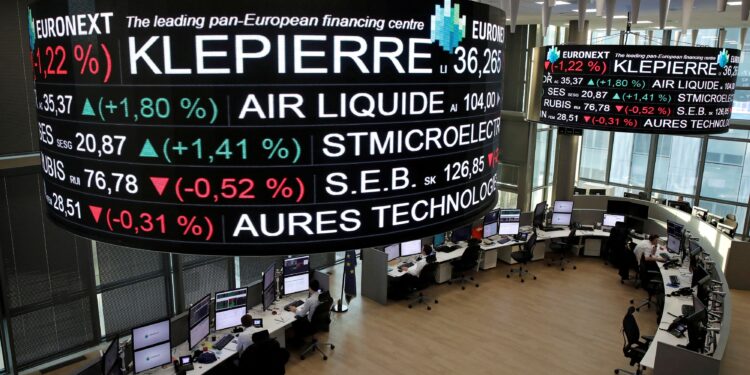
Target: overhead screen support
(600, 7)
(687, 12)
(610, 15)
(514, 4)
(663, 9)
(267, 127)
(581, 15)
(546, 13)
(635, 8)
(721, 5)
(745, 10)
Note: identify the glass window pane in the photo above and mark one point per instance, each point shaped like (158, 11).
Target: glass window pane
(594, 148)
(677, 164)
(553, 154)
(536, 197)
(622, 150)
(726, 174)
(540, 158)
(507, 199)
(741, 105)
(734, 133)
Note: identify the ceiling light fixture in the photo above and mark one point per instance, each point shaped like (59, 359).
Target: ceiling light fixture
(590, 10)
(556, 2)
(734, 3)
(644, 22)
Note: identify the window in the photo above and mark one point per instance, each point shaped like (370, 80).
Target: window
(723, 209)
(594, 149)
(726, 175)
(540, 158)
(676, 167)
(507, 199)
(630, 159)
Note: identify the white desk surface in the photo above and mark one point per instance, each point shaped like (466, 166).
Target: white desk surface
(673, 306)
(273, 323)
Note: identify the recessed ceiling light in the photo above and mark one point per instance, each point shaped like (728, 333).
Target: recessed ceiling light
(665, 27)
(556, 2)
(590, 10)
(617, 17)
(734, 3)
(644, 22)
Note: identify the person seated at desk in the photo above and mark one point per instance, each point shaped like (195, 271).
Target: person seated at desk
(245, 339)
(647, 250)
(304, 313)
(399, 287)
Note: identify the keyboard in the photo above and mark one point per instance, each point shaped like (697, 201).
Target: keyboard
(224, 341)
(407, 265)
(586, 227)
(503, 240)
(551, 229)
(674, 280)
(687, 310)
(664, 256)
(297, 303)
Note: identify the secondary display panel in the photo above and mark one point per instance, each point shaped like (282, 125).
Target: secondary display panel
(644, 89)
(253, 128)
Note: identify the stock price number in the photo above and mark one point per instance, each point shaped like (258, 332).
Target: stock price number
(67, 206)
(468, 61)
(104, 145)
(107, 181)
(464, 170)
(482, 101)
(55, 104)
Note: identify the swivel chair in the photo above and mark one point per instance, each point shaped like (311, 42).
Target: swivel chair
(563, 247)
(425, 280)
(633, 348)
(264, 357)
(731, 221)
(468, 261)
(320, 322)
(650, 280)
(523, 257)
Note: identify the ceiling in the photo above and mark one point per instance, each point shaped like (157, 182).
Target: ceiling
(704, 14)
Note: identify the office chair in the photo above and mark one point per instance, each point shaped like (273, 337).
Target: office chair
(644, 196)
(321, 321)
(468, 261)
(651, 282)
(265, 356)
(425, 280)
(563, 247)
(616, 244)
(629, 263)
(633, 348)
(731, 221)
(523, 257)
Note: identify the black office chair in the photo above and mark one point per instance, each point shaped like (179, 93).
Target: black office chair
(633, 348)
(629, 263)
(644, 196)
(650, 281)
(321, 321)
(618, 236)
(563, 247)
(265, 356)
(425, 280)
(469, 261)
(523, 257)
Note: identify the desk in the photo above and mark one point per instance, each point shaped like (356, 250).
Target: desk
(275, 324)
(672, 308)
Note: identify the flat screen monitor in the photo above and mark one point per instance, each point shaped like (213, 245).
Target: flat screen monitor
(110, 356)
(597, 191)
(151, 357)
(231, 305)
(269, 274)
(392, 251)
(200, 323)
(618, 207)
(559, 218)
(438, 239)
(700, 213)
(539, 214)
(510, 221)
(682, 206)
(491, 217)
(630, 195)
(151, 334)
(461, 234)
(638, 211)
(673, 244)
(563, 207)
(695, 248)
(296, 274)
(675, 229)
(409, 248)
(611, 220)
(269, 296)
(490, 229)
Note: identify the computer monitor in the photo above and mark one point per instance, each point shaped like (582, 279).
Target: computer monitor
(438, 239)
(110, 356)
(461, 234)
(699, 311)
(491, 216)
(565, 207)
(559, 218)
(490, 229)
(150, 334)
(392, 251)
(713, 219)
(199, 321)
(695, 248)
(409, 248)
(296, 274)
(638, 211)
(151, 357)
(539, 210)
(579, 191)
(510, 221)
(682, 206)
(610, 220)
(269, 275)
(230, 306)
(700, 213)
(675, 229)
(269, 296)
(630, 195)
(618, 207)
(597, 191)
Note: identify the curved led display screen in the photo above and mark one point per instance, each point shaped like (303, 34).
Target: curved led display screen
(267, 127)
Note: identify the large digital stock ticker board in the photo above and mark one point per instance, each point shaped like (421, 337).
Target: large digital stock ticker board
(267, 127)
(647, 89)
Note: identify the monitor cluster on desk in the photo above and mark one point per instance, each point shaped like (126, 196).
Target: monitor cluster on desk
(562, 211)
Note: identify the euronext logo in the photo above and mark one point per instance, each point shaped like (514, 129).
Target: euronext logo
(448, 26)
(553, 54)
(32, 31)
(723, 59)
